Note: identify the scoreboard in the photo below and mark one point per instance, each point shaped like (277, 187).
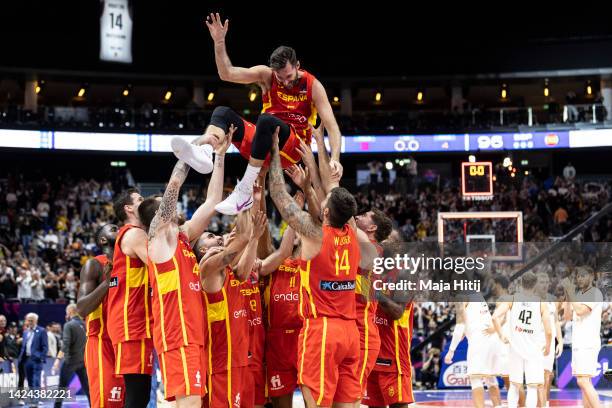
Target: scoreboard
(477, 180)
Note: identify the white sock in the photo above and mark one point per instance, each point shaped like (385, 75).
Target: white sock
(250, 175)
(531, 401)
(547, 404)
(513, 396)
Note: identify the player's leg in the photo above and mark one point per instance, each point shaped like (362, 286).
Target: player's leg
(494, 393)
(589, 395)
(284, 401)
(513, 395)
(531, 400)
(548, 379)
(191, 401)
(137, 390)
(242, 197)
(309, 400)
(198, 154)
(478, 396)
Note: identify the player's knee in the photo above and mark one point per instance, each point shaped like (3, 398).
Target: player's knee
(583, 381)
(491, 382)
(268, 122)
(222, 117)
(476, 383)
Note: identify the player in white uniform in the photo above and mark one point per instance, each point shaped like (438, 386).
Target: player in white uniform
(502, 357)
(474, 321)
(586, 304)
(542, 290)
(530, 338)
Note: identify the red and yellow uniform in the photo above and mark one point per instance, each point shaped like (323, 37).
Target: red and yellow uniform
(293, 106)
(281, 297)
(391, 381)
(105, 388)
(328, 346)
(369, 339)
(179, 328)
(228, 344)
(129, 312)
(255, 387)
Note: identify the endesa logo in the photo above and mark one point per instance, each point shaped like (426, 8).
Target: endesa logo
(551, 139)
(455, 375)
(286, 297)
(195, 286)
(337, 286)
(240, 313)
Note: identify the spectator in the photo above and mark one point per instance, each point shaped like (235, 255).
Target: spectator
(51, 287)
(70, 287)
(8, 284)
(73, 351)
(52, 341)
(24, 284)
(12, 342)
(569, 172)
(38, 287)
(33, 350)
(431, 369)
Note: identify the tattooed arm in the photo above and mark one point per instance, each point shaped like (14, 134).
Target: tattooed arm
(163, 228)
(299, 220)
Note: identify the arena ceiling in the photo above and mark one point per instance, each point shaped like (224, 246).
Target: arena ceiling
(352, 41)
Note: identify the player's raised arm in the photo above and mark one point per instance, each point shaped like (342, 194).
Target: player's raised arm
(228, 72)
(328, 120)
(298, 219)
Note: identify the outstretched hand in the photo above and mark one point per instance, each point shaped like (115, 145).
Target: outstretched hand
(259, 225)
(217, 29)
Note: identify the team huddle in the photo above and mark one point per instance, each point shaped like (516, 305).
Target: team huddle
(234, 321)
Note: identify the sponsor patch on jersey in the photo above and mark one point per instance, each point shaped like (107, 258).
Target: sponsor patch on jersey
(337, 286)
(383, 362)
(114, 282)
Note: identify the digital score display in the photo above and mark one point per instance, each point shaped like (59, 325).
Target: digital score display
(477, 180)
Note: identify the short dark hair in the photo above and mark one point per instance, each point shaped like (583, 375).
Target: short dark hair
(147, 210)
(502, 281)
(529, 280)
(281, 56)
(383, 223)
(342, 206)
(98, 234)
(123, 199)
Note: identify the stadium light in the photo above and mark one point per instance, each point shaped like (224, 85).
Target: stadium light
(389, 165)
(378, 97)
(546, 88)
(126, 90)
(504, 92)
(38, 87)
(168, 95)
(81, 92)
(252, 95)
(336, 99)
(472, 158)
(507, 162)
(420, 96)
(589, 88)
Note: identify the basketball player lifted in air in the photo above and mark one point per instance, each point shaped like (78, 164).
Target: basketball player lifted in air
(292, 99)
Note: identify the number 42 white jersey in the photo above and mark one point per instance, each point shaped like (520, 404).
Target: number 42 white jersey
(526, 329)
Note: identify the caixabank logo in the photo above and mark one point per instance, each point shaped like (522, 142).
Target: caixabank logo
(337, 286)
